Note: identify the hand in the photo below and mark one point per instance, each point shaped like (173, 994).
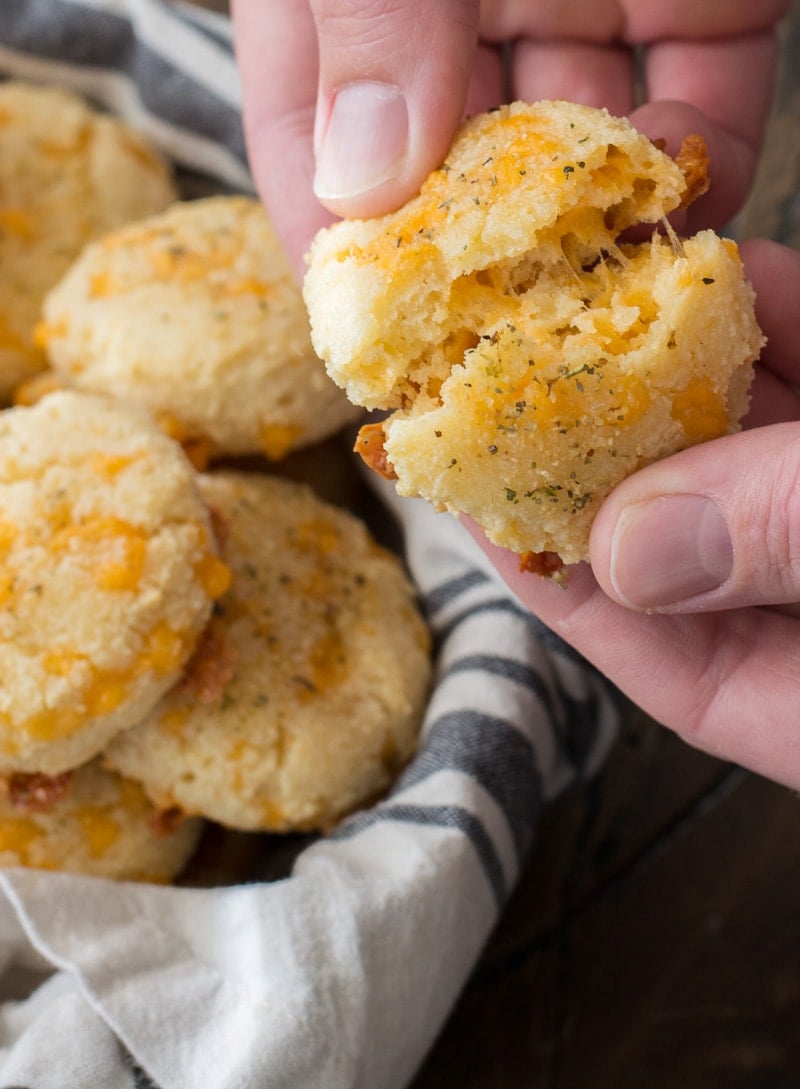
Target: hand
(709, 541)
(379, 87)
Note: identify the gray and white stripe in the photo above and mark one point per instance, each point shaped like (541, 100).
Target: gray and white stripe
(162, 68)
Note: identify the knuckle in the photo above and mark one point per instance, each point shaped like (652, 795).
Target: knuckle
(358, 26)
(359, 23)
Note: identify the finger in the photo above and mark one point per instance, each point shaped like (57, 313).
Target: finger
(725, 682)
(630, 20)
(276, 48)
(732, 159)
(487, 80)
(732, 111)
(505, 20)
(689, 20)
(708, 75)
(393, 83)
(713, 527)
(771, 401)
(774, 271)
(590, 74)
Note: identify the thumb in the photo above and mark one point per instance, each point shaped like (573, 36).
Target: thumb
(713, 527)
(393, 78)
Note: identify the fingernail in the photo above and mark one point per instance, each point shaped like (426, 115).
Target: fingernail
(668, 550)
(365, 140)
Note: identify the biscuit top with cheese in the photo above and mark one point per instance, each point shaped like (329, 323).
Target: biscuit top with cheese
(68, 173)
(195, 314)
(108, 573)
(307, 691)
(91, 821)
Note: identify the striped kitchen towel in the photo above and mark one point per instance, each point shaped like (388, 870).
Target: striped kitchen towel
(341, 974)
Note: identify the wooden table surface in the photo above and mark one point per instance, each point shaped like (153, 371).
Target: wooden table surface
(653, 941)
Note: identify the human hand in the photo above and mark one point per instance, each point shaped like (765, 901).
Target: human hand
(709, 540)
(379, 88)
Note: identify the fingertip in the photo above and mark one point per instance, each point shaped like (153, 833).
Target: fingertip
(655, 543)
(669, 551)
(601, 543)
(377, 149)
(400, 155)
(393, 83)
(362, 146)
(708, 529)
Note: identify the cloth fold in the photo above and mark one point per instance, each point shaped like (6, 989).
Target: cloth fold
(340, 975)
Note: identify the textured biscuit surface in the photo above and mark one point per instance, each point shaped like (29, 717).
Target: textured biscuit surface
(108, 572)
(308, 690)
(67, 175)
(532, 359)
(91, 821)
(195, 314)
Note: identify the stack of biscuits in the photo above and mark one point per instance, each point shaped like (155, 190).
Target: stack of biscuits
(187, 634)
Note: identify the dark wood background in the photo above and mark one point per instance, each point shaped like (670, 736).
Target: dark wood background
(653, 941)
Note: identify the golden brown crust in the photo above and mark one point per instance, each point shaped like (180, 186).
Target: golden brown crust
(93, 822)
(36, 793)
(212, 666)
(370, 448)
(545, 564)
(693, 160)
(165, 822)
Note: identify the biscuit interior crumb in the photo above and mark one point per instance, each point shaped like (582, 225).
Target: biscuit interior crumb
(532, 357)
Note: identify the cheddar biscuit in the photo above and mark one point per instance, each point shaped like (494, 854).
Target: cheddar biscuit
(67, 174)
(307, 692)
(91, 821)
(195, 314)
(531, 358)
(109, 569)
